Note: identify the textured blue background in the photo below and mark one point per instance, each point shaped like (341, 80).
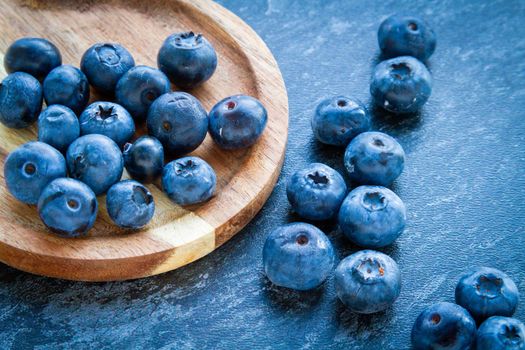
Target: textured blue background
(463, 185)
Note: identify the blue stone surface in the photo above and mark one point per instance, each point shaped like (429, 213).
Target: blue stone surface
(462, 185)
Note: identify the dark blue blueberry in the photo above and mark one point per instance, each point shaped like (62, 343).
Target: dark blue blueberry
(179, 121)
(20, 100)
(96, 161)
(108, 119)
(68, 86)
(316, 192)
(188, 180)
(139, 87)
(367, 281)
(144, 159)
(104, 64)
(30, 167)
(337, 120)
(130, 204)
(298, 256)
(487, 292)
(35, 56)
(237, 121)
(401, 85)
(374, 158)
(501, 333)
(443, 326)
(68, 207)
(58, 126)
(372, 216)
(187, 59)
(406, 36)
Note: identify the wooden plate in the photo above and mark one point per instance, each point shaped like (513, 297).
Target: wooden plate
(176, 236)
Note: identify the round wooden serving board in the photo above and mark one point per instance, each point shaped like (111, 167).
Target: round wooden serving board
(176, 236)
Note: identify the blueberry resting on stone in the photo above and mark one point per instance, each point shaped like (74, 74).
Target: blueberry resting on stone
(108, 119)
(367, 281)
(179, 121)
(401, 85)
(95, 160)
(68, 207)
(30, 167)
(487, 292)
(406, 36)
(20, 100)
(374, 158)
(188, 180)
(443, 326)
(68, 86)
(337, 120)
(237, 121)
(187, 59)
(58, 126)
(316, 192)
(144, 158)
(34, 56)
(501, 333)
(298, 256)
(139, 87)
(130, 204)
(104, 64)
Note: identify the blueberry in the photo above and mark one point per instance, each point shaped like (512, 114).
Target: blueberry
(374, 158)
(237, 121)
(406, 36)
(187, 59)
(372, 216)
(401, 85)
(487, 292)
(130, 204)
(367, 281)
(179, 121)
(501, 333)
(68, 207)
(188, 180)
(96, 161)
(104, 64)
(108, 119)
(35, 56)
(139, 87)
(144, 159)
(30, 167)
(443, 326)
(20, 100)
(58, 126)
(298, 256)
(68, 86)
(339, 119)
(316, 192)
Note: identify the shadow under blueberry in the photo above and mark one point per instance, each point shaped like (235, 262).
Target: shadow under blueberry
(394, 124)
(362, 325)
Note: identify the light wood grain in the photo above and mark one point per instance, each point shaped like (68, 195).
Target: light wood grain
(176, 236)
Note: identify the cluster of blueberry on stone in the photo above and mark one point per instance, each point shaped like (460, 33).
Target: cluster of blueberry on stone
(300, 256)
(95, 139)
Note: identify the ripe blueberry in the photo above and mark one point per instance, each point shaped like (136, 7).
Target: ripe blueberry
(187, 59)
(316, 192)
(339, 119)
(298, 256)
(68, 86)
(144, 159)
(237, 121)
(501, 333)
(58, 126)
(374, 158)
(20, 100)
(130, 204)
(30, 167)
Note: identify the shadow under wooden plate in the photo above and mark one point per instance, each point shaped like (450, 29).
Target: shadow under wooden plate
(176, 236)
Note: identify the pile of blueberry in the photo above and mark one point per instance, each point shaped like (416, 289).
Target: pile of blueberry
(300, 256)
(91, 143)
